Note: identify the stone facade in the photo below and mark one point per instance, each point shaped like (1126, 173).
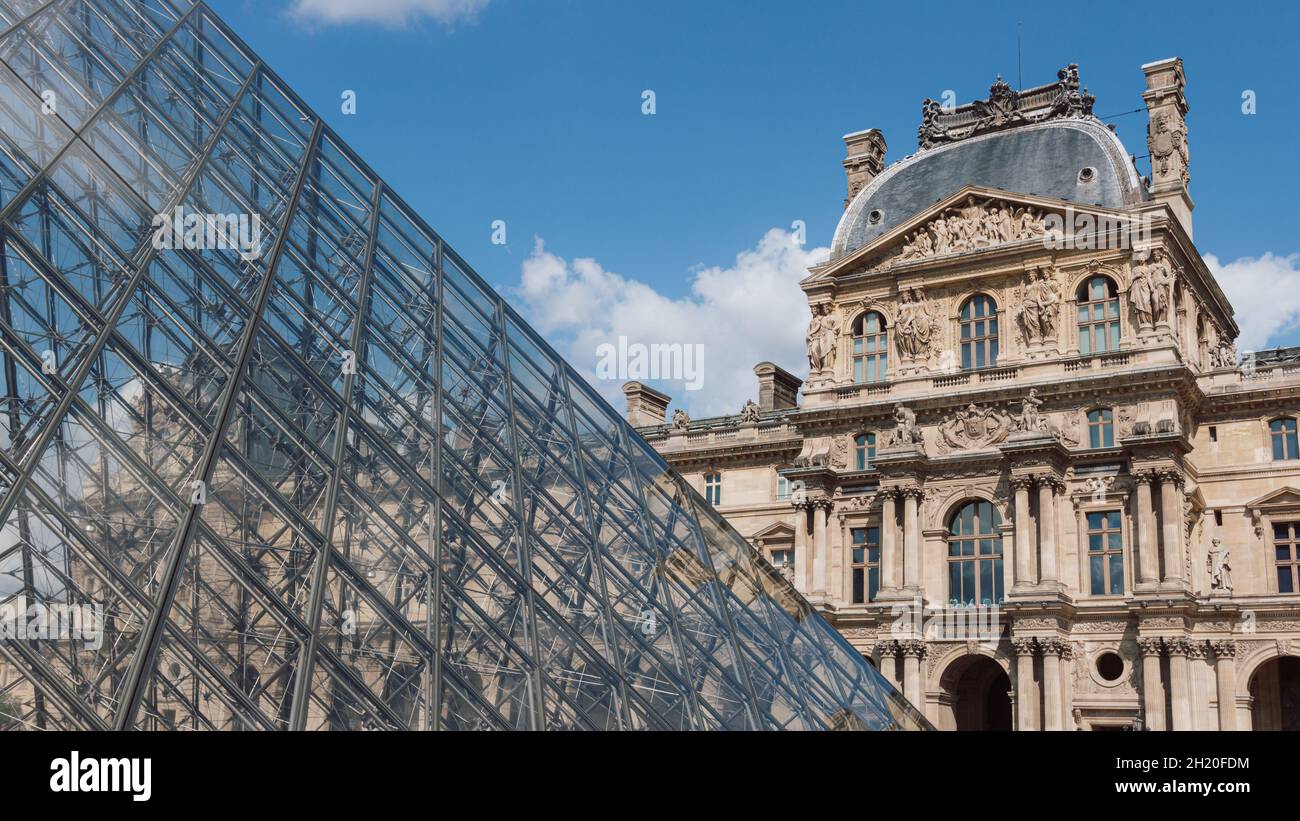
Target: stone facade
(1019, 405)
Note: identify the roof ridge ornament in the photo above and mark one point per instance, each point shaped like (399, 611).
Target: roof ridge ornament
(1005, 108)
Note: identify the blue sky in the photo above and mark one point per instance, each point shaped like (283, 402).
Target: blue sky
(529, 111)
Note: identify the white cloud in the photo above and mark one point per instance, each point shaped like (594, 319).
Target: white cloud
(385, 12)
(747, 313)
(1265, 292)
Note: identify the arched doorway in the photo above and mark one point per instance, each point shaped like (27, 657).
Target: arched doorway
(979, 693)
(1275, 695)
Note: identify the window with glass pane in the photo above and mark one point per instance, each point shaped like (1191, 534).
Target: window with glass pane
(975, 555)
(713, 488)
(870, 348)
(866, 564)
(1101, 428)
(782, 489)
(979, 333)
(1285, 446)
(864, 451)
(1098, 301)
(783, 557)
(1106, 553)
(1286, 556)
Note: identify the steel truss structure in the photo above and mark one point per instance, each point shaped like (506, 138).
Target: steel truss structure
(332, 481)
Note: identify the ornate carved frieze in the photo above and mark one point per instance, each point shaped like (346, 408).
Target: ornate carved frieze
(972, 428)
(1005, 108)
(1167, 142)
(970, 226)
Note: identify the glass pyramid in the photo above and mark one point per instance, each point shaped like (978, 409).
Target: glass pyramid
(323, 477)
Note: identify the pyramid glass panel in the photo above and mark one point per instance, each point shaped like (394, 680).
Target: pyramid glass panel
(272, 456)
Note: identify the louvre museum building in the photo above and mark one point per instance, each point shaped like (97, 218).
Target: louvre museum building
(273, 456)
(1025, 406)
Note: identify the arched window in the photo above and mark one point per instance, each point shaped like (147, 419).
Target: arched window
(870, 348)
(979, 333)
(975, 555)
(1101, 428)
(1283, 433)
(1098, 300)
(864, 451)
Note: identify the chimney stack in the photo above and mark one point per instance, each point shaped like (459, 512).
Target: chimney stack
(866, 159)
(646, 406)
(1167, 137)
(778, 389)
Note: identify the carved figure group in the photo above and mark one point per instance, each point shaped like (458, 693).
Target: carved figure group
(906, 433)
(1152, 289)
(680, 420)
(1040, 307)
(971, 226)
(750, 412)
(916, 333)
(822, 337)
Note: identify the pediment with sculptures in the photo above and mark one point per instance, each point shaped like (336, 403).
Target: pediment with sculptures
(971, 226)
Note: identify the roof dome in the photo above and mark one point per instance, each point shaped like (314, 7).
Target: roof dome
(1079, 160)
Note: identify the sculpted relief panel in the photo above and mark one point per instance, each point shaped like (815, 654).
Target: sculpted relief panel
(971, 226)
(1040, 306)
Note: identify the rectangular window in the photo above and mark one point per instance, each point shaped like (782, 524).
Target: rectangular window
(782, 489)
(866, 564)
(1214, 433)
(1106, 553)
(713, 488)
(1286, 556)
(783, 558)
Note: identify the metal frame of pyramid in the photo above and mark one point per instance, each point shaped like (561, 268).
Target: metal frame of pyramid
(338, 483)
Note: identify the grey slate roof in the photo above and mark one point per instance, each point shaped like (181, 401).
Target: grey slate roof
(1043, 159)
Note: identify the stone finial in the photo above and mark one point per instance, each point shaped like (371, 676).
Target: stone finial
(645, 405)
(866, 159)
(1167, 137)
(778, 389)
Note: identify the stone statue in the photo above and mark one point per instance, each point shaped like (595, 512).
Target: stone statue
(749, 413)
(1162, 278)
(1224, 355)
(1039, 307)
(822, 338)
(1140, 295)
(906, 432)
(1030, 420)
(680, 420)
(1216, 564)
(916, 331)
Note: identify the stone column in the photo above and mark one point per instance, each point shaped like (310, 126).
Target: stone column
(911, 538)
(1153, 689)
(1053, 649)
(802, 564)
(888, 650)
(888, 549)
(1026, 570)
(820, 511)
(1171, 517)
(1197, 653)
(1026, 692)
(913, 688)
(1179, 684)
(1047, 529)
(845, 553)
(1225, 677)
(1148, 559)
